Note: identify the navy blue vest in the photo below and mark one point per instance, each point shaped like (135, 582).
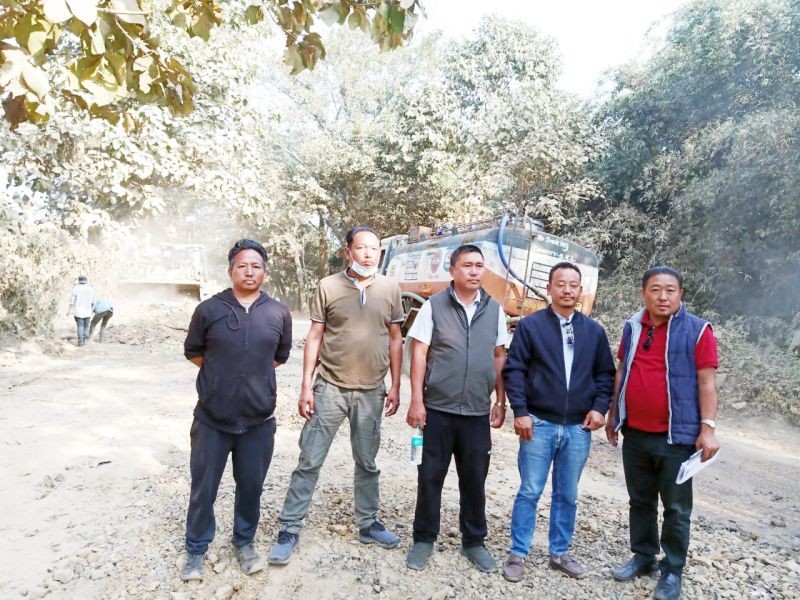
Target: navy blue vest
(683, 332)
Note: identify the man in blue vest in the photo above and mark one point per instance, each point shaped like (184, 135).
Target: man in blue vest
(665, 405)
(558, 375)
(458, 353)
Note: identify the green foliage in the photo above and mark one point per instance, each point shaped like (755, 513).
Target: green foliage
(722, 60)
(735, 229)
(701, 167)
(103, 56)
(493, 131)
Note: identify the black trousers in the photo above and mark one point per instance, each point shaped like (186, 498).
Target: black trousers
(251, 454)
(469, 440)
(651, 466)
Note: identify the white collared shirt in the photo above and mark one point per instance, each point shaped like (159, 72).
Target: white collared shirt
(422, 328)
(82, 299)
(569, 349)
(361, 285)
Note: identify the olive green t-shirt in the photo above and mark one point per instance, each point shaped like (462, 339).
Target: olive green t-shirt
(355, 343)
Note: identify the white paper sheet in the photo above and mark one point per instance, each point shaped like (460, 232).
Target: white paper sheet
(693, 465)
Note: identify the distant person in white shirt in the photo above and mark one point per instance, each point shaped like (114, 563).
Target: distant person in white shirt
(81, 301)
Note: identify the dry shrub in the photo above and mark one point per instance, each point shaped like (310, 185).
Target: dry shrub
(38, 265)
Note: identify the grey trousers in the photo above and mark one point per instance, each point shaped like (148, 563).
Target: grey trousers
(332, 405)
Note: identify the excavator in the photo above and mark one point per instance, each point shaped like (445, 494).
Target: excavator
(168, 269)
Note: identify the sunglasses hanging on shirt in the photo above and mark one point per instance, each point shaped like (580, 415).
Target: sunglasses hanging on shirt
(650, 334)
(570, 333)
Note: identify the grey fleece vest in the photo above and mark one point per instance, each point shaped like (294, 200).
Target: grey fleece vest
(460, 374)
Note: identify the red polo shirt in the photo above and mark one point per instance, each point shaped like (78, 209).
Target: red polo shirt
(646, 397)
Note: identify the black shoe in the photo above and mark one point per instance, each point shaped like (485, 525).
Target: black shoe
(636, 567)
(669, 586)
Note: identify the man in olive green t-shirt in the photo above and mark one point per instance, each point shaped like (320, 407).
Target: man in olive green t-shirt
(354, 340)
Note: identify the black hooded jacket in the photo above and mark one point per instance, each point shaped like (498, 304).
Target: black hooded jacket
(236, 384)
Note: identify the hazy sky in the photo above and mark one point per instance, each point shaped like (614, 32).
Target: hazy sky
(593, 35)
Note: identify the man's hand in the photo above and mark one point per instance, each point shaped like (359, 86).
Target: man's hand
(594, 420)
(498, 415)
(305, 406)
(611, 434)
(523, 427)
(707, 442)
(416, 414)
(392, 401)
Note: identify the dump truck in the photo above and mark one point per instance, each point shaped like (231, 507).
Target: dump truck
(167, 269)
(518, 254)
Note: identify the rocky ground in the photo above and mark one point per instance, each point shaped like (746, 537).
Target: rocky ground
(95, 486)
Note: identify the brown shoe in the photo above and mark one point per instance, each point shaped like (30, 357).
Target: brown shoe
(514, 568)
(569, 565)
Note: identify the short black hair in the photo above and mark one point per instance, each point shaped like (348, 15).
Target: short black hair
(464, 249)
(353, 231)
(563, 265)
(661, 270)
(246, 245)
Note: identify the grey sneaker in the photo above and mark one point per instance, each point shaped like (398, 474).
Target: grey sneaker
(250, 561)
(378, 534)
(567, 564)
(514, 568)
(418, 556)
(281, 550)
(480, 557)
(192, 569)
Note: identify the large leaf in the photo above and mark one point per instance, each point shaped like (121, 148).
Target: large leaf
(36, 79)
(396, 19)
(330, 15)
(254, 14)
(84, 10)
(98, 44)
(56, 11)
(126, 11)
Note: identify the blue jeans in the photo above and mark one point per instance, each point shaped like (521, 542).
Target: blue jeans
(567, 448)
(82, 324)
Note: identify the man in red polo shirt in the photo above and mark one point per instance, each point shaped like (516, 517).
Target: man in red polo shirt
(648, 405)
(665, 403)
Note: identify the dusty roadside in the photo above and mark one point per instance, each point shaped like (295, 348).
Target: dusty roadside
(95, 483)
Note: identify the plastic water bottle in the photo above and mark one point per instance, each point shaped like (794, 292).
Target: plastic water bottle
(416, 447)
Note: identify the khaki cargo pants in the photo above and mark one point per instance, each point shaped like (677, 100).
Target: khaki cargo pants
(332, 405)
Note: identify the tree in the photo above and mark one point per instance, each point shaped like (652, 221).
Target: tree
(494, 131)
(105, 55)
(87, 174)
(700, 168)
(722, 59)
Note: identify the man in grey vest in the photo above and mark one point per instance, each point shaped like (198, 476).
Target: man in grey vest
(458, 353)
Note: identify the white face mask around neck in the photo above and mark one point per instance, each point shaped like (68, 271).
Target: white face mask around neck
(363, 271)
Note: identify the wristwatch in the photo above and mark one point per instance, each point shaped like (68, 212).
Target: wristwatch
(710, 422)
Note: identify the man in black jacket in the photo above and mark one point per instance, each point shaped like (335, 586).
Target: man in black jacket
(237, 338)
(558, 375)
